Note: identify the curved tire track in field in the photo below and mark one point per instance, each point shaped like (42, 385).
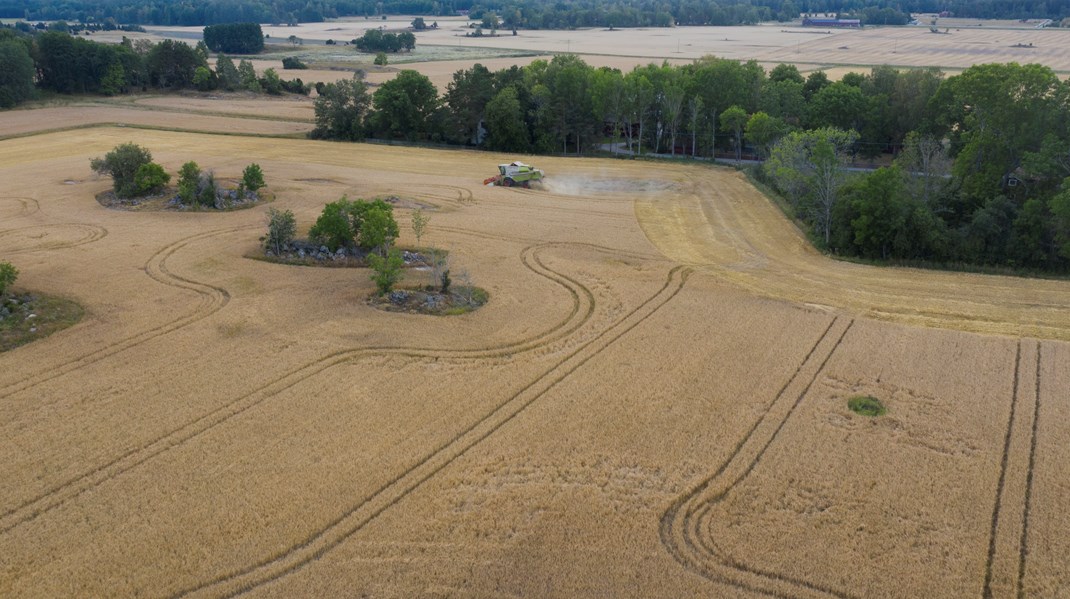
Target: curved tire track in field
(211, 298)
(685, 525)
(368, 508)
(582, 309)
(25, 206)
(88, 234)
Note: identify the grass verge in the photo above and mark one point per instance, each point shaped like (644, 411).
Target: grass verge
(27, 317)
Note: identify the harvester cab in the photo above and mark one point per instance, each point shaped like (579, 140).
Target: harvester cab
(515, 174)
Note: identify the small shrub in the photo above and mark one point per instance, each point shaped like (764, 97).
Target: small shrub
(292, 62)
(207, 190)
(8, 274)
(419, 223)
(386, 272)
(150, 178)
(282, 226)
(445, 287)
(380, 59)
(252, 178)
(122, 164)
(866, 405)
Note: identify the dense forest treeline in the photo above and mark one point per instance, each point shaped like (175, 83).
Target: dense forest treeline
(537, 14)
(981, 171)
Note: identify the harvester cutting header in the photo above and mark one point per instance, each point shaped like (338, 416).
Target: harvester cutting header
(515, 174)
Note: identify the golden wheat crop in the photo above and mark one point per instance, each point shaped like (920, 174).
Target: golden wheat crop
(653, 402)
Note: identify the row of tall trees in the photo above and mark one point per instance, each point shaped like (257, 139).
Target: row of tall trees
(61, 63)
(982, 159)
(528, 13)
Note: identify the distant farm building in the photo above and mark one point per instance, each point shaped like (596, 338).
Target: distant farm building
(824, 22)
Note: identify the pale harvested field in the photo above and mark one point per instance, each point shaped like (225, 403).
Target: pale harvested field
(290, 106)
(22, 122)
(653, 403)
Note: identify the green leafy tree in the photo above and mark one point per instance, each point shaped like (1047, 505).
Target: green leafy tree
(734, 120)
(122, 164)
(189, 177)
(114, 81)
(150, 178)
(812, 162)
(247, 76)
(172, 64)
(380, 59)
(340, 109)
(407, 106)
(252, 178)
(271, 82)
(334, 228)
(386, 271)
(227, 73)
(8, 274)
(378, 229)
(16, 73)
(236, 38)
(1060, 209)
(761, 131)
(202, 79)
(506, 129)
(282, 226)
(467, 96)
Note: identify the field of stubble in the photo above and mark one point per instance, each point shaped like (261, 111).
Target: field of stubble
(653, 402)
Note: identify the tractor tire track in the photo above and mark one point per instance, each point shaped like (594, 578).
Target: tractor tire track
(1023, 547)
(89, 234)
(212, 299)
(582, 309)
(27, 206)
(986, 592)
(684, 527)
(368, 508)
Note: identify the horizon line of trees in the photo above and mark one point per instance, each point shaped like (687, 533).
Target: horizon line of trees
(982, 159)
(520, 13)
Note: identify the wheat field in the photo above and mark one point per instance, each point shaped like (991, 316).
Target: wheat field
(652, 404)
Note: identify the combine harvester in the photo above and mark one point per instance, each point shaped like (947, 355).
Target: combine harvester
(515, 174)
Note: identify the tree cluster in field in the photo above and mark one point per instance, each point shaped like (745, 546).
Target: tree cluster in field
(375, 40)
(535, 14)
(234, 38)
(986, 153)
(58, 62)
(134, 174)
